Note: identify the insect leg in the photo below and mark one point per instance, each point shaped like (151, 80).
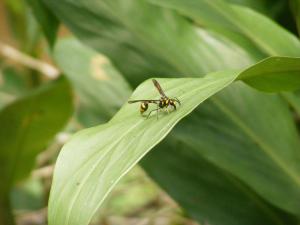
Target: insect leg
(167, 107)
(153, 111)
(177, 100)
(173, 104)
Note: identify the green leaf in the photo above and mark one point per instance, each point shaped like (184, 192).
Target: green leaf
(16, 18)
(229, 19)
(245, 146)
(29, 196)
(93, 77)
(295, 7)
(113, 35)
(27, 126)
(109, 151)
(12, 85)
(12, 82)
(206, 192)
(174, 44)
(48, 22)
(6, 215)
(105, 153)
(293, 99)
(262, 76)
(254, 209)
(270, 8)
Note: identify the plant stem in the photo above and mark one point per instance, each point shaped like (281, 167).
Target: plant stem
(6, 216)
(11, 53)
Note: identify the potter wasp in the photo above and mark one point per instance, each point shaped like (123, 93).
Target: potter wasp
(163, 103)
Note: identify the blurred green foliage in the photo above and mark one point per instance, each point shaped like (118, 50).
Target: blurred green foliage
(234, 160)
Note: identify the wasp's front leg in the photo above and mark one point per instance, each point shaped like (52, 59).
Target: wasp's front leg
(172, 103)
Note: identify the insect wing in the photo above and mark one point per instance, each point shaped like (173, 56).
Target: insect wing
(148, 101)
(158, 87)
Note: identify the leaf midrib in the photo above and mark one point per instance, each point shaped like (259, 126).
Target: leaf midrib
(91, 171)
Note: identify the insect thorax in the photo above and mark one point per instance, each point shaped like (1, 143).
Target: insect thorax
(164, 101)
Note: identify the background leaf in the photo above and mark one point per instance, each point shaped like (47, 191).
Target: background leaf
(21, 139)
(100, 87)
(280, 168)
(48, 22)
(262, 76)
(205, 191)
(108, 34)
(274, 40)
(268, 7)
(295, 7)
(12, 85)
(293, 100)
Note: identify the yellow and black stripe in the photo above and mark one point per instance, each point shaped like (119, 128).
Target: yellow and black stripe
(144, 107)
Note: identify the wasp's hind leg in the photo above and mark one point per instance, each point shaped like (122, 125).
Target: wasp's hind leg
(157, 110)
(177, 100)
(172, 103)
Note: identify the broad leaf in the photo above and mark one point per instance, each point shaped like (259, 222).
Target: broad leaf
(110, 26)
(6, 216)
(248, 207)
(294, 100)
(295, 7)
(245, 145)
(105, 153)
(271, 8)
(12, 85)
(263, 77)
(13, 82)
(111, 34)
(101, 89)
(27, 126)
(258, 29)
(206, 192)
(241, 25)
(47, 21)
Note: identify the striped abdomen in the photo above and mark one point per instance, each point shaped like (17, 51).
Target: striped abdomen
(144, 107)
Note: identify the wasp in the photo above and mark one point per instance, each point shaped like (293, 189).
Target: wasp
(163, 103)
